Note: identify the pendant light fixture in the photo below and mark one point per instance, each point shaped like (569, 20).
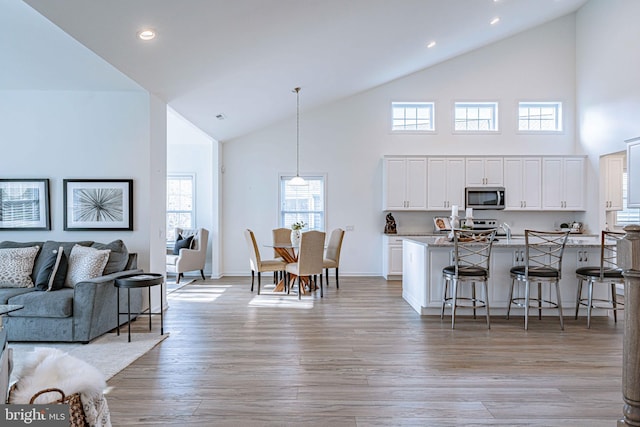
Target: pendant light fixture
(297, 180)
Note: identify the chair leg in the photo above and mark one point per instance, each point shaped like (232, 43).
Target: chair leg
(258, 283)
(454, 302)
(321, 284)
(178, 278)
(578, 297)
(445, 288)
(473, 298)
(252, 279)
(486, 303)
(589, 302)
(202, 274)
(337, 282)
(539, 301)
(559, 302)
(299, 288)
(614, 304)
(321, 291)
(513, 283)
(526, 305)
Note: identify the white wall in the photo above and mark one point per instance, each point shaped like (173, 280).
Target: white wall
(608, 94)
(347, 139)
(191, 151)
(78, 134)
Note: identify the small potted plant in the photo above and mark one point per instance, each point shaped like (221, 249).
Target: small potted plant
(296, 232)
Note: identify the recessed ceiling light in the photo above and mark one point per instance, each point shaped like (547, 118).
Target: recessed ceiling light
(494, 21)
(431, 44)
(147, 34)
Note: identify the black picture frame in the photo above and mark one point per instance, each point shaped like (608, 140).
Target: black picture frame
(98, 204)
(24, 204)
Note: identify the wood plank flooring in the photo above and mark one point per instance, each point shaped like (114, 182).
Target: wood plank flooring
(361, 356)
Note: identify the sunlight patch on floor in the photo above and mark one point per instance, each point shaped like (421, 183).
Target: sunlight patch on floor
(288, 301)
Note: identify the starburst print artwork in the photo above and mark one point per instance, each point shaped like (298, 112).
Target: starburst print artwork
(98, 204)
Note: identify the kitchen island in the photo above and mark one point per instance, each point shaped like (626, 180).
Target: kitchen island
(424, 258)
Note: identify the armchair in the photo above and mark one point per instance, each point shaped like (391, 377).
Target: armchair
(192, 258)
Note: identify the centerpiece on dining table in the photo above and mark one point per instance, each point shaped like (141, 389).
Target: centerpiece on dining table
(296, 232)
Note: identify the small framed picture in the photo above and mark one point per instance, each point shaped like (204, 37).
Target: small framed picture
(98, 204)
(24, 204)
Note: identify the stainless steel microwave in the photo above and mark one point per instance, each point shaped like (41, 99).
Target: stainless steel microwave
(484, 197)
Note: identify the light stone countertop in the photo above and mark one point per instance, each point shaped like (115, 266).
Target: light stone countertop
(578, 241)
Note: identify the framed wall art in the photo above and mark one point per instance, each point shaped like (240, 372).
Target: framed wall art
(24, 204)
(98, 204)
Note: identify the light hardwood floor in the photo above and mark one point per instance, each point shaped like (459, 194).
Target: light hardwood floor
(361, 356)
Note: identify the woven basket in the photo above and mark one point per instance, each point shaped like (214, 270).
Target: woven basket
(76, 412)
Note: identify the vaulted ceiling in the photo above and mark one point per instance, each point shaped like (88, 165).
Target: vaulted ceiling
(242, 58)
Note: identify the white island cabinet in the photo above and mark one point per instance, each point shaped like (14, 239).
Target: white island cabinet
(424, 258)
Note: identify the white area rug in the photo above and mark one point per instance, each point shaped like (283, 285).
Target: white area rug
(109, 353)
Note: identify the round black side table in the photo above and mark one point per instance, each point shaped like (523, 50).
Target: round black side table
(140, 280)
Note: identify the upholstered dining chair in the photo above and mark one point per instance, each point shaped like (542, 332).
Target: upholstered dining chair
(189, 252)
(607, 273)
(309, 264)
(472, 258)
(257, 264)
(332, 255)
(542, 265)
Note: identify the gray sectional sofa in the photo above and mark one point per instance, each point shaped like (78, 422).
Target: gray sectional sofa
(57, 309)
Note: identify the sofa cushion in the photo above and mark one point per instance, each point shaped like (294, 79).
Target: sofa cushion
(53, 273)
(182, 243)
(85, 263)
(118, 256)
(52, 245)
(7, 293)
(10, 244)
(16, 265)
(44, 304)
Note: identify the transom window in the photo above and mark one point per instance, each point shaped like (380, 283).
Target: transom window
(180, 203)
(476, 117)
(540, 116)
(304, 203)
(627, 215)
(412, 116)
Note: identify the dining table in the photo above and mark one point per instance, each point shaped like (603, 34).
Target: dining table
(288, 253)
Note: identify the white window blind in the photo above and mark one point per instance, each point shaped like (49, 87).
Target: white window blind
(304, 203)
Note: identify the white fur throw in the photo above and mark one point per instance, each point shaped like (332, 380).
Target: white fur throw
(52, 368)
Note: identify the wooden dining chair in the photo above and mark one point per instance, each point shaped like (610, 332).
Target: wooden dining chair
(258, 265)
(332, 255)
(309, 262)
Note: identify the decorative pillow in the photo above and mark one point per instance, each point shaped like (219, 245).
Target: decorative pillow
(182, 242)
(85, 263)
(118, 257)
(53, 272)
(16, 265)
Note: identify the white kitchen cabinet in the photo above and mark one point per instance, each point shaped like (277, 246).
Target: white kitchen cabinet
(563, 183)
(611, 176)
(633, 173)
(405, 183)
(523, 183)
(445, 183)
(392, 257)
(484, 172)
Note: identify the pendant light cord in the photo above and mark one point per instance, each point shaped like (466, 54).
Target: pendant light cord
(297, 90)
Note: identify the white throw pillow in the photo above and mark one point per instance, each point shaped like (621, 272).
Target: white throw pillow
(85, 263)
(16, 265)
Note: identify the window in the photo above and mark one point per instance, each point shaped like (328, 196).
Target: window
(627, 215)
(540, 116)
(302, 202)
(180, 203)
(476, 117)
(412, 116)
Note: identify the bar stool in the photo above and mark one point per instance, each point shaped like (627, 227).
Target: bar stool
(543, 264)
(608, 273)
(472, 253)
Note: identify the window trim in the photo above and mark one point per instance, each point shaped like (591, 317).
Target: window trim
(431, 131)
(305, 176)
(497, 118)
(194, 200)
(540, 132)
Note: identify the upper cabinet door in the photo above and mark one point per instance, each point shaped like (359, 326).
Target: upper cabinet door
(523, 185)
(484, 172)
(405, 183)
(445, 183)
(563, 183)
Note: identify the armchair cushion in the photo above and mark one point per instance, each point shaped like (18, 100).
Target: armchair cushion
(182, 243)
